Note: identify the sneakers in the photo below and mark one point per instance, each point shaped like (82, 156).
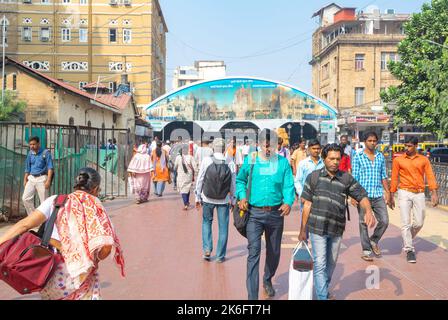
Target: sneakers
(410, 256)
(269, 290)
(220, 260)
(367, 257)
(206, 256)
(376, 250)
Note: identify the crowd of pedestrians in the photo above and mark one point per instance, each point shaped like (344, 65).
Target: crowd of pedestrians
(263, 179)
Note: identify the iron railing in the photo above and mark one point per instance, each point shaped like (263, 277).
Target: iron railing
(72, 147)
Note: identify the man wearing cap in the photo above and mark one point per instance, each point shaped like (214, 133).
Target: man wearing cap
(270, 200)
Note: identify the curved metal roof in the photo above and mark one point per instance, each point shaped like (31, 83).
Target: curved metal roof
(201, 83)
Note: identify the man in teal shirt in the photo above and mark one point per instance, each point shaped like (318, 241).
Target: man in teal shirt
(272, 196)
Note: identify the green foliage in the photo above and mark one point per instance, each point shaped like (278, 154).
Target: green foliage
(422, 98)
(11, 108)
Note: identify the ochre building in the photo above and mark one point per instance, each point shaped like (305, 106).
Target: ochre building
(85, 41)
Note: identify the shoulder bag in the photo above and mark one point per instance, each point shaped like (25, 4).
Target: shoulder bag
(240, 217)
(27, 262)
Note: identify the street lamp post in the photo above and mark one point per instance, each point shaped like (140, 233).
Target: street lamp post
(302, 126)
(319, 121)
(289, 126)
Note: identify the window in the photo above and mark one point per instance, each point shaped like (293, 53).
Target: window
(45, 1)
(127, 35)
(89, 124)
(66, 35)
(45, 34)
(83, 35)
(14, 82)
(325, 73)
(112, 87)
(386, 57)
(27, 34)
(112, 35)
(71, 121)
(335, 97)
(335, 65)
(82, 1)
(325, 97)
(359, 96)
(359, 62)
(65, 1)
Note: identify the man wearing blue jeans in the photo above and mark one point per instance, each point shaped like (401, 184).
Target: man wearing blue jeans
(215, 188)
(270, 200)
(324, 211)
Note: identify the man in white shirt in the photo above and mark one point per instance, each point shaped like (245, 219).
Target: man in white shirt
(203, 152)
(215, 188)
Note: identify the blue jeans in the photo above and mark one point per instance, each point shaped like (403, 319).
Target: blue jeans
(186, 198)
(223, 227)
(272, 224)
(160, 187)
(325, 255)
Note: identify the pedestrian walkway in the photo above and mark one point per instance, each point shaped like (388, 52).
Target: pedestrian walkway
(162, 248)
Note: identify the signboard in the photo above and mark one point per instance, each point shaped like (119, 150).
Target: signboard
(238, 99)
(326, 127)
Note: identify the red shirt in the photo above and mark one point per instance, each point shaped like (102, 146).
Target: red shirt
(345, 164)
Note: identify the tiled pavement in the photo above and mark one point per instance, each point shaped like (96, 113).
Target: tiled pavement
(162, 246)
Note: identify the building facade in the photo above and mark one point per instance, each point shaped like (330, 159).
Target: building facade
(202, 70)
(351, 52)
(53, 101)
(84, 41)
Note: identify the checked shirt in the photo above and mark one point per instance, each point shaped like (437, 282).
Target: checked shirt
(370, 174)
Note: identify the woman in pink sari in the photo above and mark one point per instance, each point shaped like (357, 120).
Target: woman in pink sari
(139, 170)
(83, 234)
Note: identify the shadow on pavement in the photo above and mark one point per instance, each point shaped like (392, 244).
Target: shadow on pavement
(358, 281)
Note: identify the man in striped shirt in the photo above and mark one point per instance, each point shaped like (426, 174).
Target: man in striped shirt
(369, 169)
(324, 211)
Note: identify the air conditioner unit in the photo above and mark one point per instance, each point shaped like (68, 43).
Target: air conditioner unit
(127, 2)
(113, 2)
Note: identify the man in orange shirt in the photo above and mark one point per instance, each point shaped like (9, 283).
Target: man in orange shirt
(412, 169)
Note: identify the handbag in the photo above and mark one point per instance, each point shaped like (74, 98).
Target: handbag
(27, 261)
(240, 217)
(301, 274)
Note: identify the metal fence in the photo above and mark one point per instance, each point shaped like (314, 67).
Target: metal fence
(441, 173)
(72, 147)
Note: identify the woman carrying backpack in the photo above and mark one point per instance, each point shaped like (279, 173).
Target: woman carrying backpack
(185, 166)
(83, 234)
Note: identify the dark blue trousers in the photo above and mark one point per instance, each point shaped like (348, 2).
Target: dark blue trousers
(270, 223)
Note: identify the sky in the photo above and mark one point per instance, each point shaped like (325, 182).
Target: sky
(270, 39)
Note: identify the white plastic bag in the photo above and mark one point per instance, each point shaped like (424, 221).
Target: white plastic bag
(300, 283)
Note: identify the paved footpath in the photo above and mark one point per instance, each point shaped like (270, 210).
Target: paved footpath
(162, 247)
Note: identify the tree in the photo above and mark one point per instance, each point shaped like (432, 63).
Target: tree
(11, 108)
(422, 97)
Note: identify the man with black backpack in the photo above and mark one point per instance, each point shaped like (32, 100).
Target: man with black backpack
(215, 188)
(325, 205)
